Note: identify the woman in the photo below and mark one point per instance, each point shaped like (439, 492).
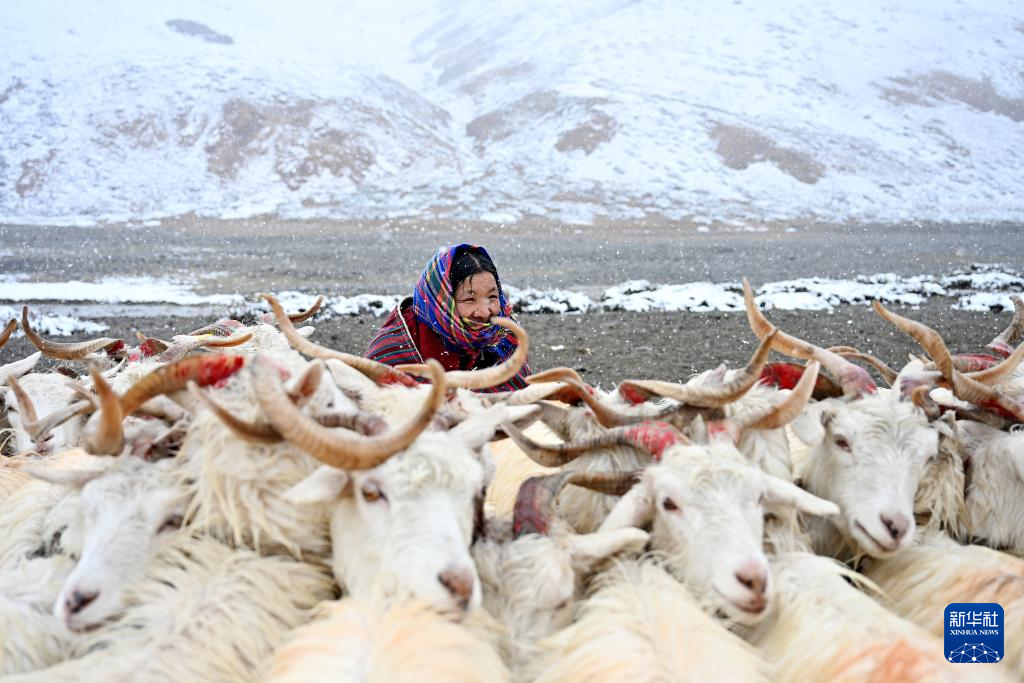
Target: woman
(448, 318)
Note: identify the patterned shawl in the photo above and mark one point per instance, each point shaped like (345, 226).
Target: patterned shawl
(434, 303)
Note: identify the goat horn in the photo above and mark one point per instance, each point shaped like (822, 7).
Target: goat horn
(336, 448)
(964, 387)
(235, 340)
(221, 328)
(922, 398)
(305, 315)
(84, 393)
(652, 437)
(28, 410)
(535, 500)
(997, 373)
(203, 370)
(785, 411)
(247, 431)
(559, 374)
(8, 331)
(714, 396)
(1004, 341)
(855, 380)
(523, 397)
(378, 372)
(108, 438)
(61, 351)
(46, 424)
(850, 353)
(491, 377)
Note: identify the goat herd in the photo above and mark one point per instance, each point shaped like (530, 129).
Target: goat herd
(279, 511)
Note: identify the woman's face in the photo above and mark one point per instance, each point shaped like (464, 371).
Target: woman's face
(476, 298)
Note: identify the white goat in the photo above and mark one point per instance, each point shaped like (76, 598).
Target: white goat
(825, 630)
(643, 626)
(356, 642)
(204, 612)
(937, 571)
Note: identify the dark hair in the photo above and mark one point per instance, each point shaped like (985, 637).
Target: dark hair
(469, 262)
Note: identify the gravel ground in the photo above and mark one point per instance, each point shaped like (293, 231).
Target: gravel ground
(350, 258)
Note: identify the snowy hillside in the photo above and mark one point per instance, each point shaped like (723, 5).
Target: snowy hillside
(871, 111)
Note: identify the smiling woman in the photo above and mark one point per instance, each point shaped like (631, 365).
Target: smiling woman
(448, 317)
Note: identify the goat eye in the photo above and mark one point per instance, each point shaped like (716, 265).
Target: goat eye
(562, 605)
(170, 524)
(669, 505)
(841, 442)
(372, 493)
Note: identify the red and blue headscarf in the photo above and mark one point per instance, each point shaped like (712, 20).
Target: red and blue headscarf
(434, 303)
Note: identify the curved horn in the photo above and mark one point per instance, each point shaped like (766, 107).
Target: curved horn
(524, 397)
(105, 436)
(535, 500)
(489, 377)
(28, 410)
(559, 374)
(850, 353)
(964, 388)
(378, 372)
(60, 351)
(856, 381)
(252, 432)
(1004, 341)
(337, 448)
(8, 331)
(305, 315)
(717, 395)
(221, 328)
(46, 424)
(997, 373)
(785, 411)
(652, 437)
(203, 370)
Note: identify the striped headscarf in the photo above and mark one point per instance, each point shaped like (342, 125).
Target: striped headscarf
(434, 303)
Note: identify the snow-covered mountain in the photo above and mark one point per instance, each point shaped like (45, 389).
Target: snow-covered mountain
(880, 110)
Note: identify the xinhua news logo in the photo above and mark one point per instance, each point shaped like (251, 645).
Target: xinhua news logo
(974, 632)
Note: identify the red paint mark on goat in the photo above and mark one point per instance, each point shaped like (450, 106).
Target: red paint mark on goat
(116, 347)
(631, 394)
(149, 348)
(208, 370)
(654, 437)
(782, 375)
(395, 378)
(1002, 348)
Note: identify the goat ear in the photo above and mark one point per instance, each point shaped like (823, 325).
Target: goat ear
(325, 485)
(635, 509)
(19, 367)
(587, 550)
(810, 425)
(56, 475)
(781, 492)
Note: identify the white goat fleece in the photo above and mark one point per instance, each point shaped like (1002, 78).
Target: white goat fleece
(995, 496)
(868, 456)
(643, 626)
(34, 511)
(11, 478)
(513, 467)
(236, 488)
(824, 630)
(204, 612)
(937, 571)
(355, 641)
(30, 636)
(530, 583)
